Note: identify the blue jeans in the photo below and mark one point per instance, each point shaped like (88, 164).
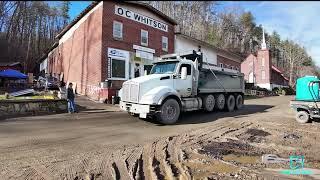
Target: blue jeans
(71, 106)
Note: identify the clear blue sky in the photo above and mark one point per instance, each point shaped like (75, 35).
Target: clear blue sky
(77, 7)
(294, 20)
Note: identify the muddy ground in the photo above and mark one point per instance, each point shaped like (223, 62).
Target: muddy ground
(99, 144)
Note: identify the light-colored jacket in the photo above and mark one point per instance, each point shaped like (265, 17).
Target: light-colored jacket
(62, 93)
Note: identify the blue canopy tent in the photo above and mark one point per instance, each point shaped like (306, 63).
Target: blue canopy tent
(12, 74)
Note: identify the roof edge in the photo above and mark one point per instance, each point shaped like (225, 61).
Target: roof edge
(210, 45)
(95, 3)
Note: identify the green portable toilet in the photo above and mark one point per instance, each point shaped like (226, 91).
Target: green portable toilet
(302, 89)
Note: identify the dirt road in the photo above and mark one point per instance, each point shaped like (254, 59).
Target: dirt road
(114, 145)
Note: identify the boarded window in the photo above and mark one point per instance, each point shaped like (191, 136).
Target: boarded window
(164, 43)
(117, 29)
(144, 37)
(262, 62)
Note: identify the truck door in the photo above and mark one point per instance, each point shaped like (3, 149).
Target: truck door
(184, 86)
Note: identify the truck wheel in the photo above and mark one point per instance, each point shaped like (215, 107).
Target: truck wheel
(230, 103)
(302, 117)
(169, 112)
(239, 101)
(220, 103)
(208, 102)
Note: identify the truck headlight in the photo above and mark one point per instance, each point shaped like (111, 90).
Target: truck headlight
(147, 99)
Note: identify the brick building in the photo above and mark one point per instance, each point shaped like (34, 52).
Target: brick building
(213, 55)
(108, 43)
(260, 70)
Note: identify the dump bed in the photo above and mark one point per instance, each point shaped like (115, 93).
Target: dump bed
(225, 81)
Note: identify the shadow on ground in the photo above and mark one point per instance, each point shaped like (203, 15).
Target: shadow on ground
(197, 117)
(86, 109)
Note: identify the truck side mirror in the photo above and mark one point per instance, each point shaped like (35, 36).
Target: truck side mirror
(184, 73)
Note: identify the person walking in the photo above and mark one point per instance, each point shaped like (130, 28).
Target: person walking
(70, 98)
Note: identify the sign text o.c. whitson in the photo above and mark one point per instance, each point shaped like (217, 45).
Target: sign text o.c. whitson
(140, 18)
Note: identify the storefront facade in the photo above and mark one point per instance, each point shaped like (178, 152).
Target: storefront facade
(138, 37)
(109, 43)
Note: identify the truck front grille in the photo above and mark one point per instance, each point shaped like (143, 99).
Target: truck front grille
(134, 92)
(130, 92)
(125, 91)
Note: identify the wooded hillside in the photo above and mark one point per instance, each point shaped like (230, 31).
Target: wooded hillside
(28, 28)
(235, 30)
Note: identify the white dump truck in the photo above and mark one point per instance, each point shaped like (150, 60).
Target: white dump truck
(179, 83)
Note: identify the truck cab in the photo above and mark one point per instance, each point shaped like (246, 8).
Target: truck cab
(171, 87)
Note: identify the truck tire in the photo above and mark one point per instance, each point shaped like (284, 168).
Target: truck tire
(209, 102)
(220, 101)
(230, 103)
(239, 101)
(302, 117)
(169, 112)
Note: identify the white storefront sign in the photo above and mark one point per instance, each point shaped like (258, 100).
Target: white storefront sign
(140, 18)
(144, 55)
(141, 48)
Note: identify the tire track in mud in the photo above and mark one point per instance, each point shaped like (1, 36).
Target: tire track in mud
(147, 156)
(132, 163)
(161, 159)
(119, 165)
(161, 156)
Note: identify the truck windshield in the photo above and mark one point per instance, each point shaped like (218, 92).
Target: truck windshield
(163, 68)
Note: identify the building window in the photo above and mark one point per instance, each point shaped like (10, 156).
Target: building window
(164, 43)
(237, 68)
(118, 68)
(262, 62)
(117, 29)
(232, 67)
(263, 74)
(221, 65)
(144, 37)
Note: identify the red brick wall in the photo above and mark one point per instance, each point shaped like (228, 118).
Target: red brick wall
(131, 36)
(246, 68)
(80, 56)
(83, 57)
(225, 61)
(258, 68)
(267, 66)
